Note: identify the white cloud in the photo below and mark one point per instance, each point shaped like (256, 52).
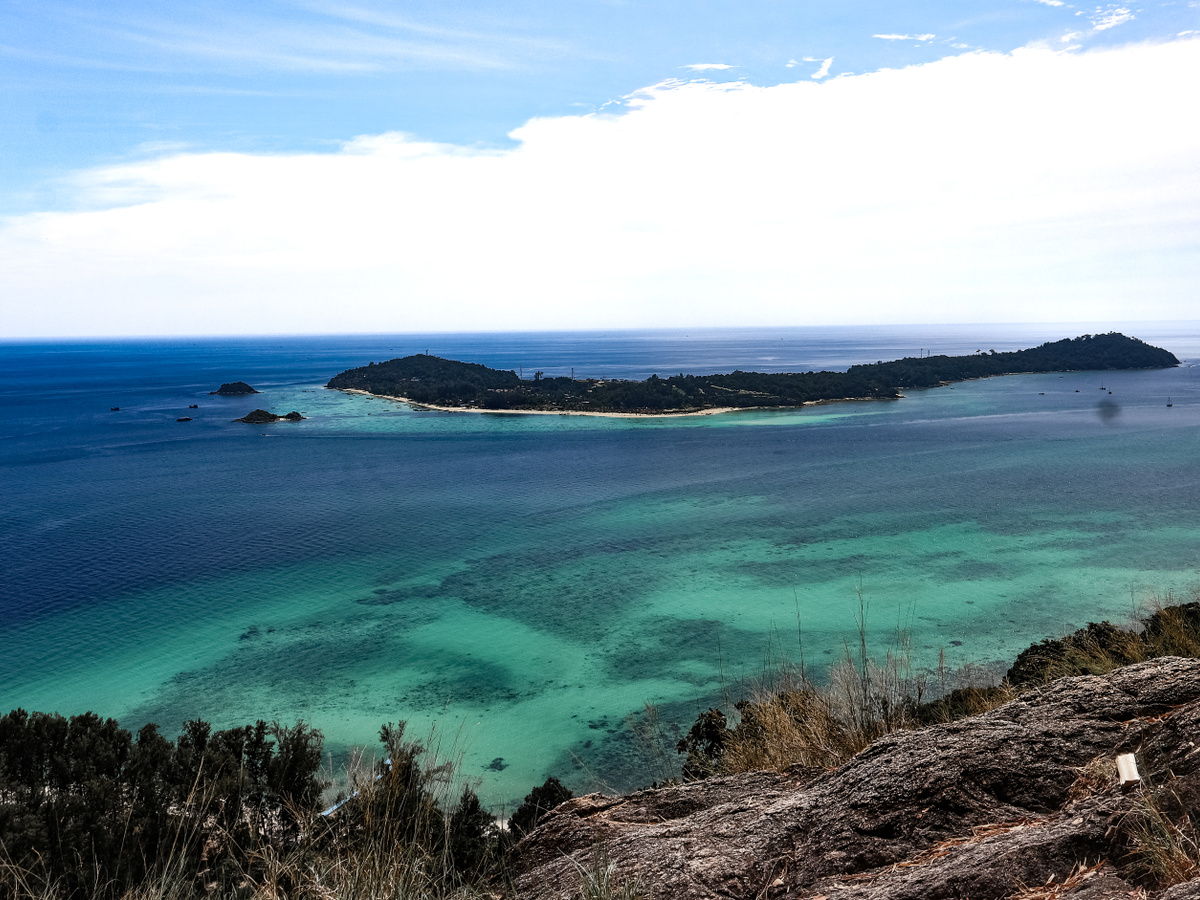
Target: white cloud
(701, 67)
(984, 187)
(822, 72)
(1110, 17)
(1051, 2)
(905, 37)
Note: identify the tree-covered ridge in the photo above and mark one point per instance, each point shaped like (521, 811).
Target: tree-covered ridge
(1091, 352)
(444, 382)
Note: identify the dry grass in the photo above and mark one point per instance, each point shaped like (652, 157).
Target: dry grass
(1088, 654)
(1081, 875)
(794, 726)
(599, 880)
(18, 882)
(377, 872)
(789, 720)
(1164, 850)
(1173, 627)
(1097, 776)
(654, 745)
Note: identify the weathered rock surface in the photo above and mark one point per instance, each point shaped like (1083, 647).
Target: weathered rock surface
(980, 808)
(1187, 891)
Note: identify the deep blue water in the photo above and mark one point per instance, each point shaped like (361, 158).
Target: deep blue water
(526, 582)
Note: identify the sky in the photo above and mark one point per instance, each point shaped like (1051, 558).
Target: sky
(444, 165)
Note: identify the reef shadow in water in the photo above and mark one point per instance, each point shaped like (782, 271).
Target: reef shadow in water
(460, 679)
(630, 752)
(390, 596)
(663, 643)
(974, 570)
(567, 591)
(315, 667)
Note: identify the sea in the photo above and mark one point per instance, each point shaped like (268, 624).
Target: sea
(536, 594)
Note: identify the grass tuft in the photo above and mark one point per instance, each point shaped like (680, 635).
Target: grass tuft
(1099, 775)
(1164, 848)
(599, 881)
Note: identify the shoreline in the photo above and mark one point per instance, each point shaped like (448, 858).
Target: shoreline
(538, 412)
(671, 414)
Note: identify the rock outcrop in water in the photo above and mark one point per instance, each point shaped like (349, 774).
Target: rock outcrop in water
(991, 806)
(264, 417)
(234, 389)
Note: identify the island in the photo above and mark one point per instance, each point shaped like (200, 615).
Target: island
(234, 389)
(452, 385)
(263, 417)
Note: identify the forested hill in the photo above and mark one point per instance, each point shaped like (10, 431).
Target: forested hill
(1091, 352)
(446, 382)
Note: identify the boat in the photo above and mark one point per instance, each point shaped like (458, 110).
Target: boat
(114, 409)
(1169, 404)
(184, 419)
(194, 406)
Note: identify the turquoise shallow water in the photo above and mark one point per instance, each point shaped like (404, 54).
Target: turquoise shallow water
(524, 583)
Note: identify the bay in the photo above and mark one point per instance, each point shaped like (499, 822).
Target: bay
(518, 586)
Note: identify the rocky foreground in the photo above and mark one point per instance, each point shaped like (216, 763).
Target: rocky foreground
(1022, 801)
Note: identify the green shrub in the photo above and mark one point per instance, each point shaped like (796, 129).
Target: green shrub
(538, 802)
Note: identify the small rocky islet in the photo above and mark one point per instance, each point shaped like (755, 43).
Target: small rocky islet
(266, 417)
(234, 389)
(255, 416)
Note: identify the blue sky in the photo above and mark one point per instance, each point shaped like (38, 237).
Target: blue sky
(86, 83)
(100, 100)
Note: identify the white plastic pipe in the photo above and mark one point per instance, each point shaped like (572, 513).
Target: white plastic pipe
(1127, 768)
